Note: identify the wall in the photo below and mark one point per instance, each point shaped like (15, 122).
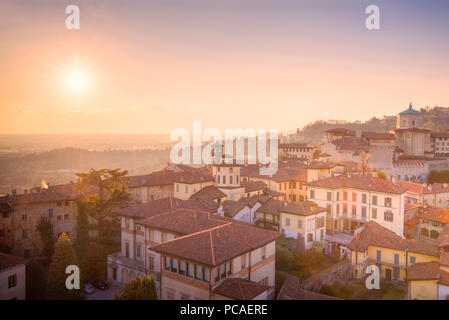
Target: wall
(17, 292)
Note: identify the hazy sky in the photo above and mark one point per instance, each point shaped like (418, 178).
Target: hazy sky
(154, 66)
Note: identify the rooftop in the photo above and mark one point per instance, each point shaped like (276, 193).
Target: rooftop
(8, 261)
(240, 289)
(304, 208)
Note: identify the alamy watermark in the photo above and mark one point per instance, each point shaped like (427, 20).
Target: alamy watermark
(214, 151)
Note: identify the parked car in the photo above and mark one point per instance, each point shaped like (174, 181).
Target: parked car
(101, 285)
(88, 288)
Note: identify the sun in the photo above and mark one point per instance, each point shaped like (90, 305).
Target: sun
(77, 81)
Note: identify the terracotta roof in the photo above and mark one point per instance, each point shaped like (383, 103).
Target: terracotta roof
(423, 271)
(63, 192)
(272, 193)
(231, 208)
(412, 222)
(7, 261)
(377, 135)
(362, 182)
(162, 205)
(444, 258)
(347, 132)
(154, 179)
(208, 193)
(217, 245)
(240, 289)
(183, 221)
(411, 129)
(350, 143)
(304, 208)
(374, 234)
(6, 204)
(440, 134)
(322, 165)
(251, 186)
(444, 278)
(283, 174)
(434, 214)
(295, 145)
(291, 290)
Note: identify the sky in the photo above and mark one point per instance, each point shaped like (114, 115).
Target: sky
(154, 66)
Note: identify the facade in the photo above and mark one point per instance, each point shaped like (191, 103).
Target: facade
(297, 151)
(352, 201)
(303, 221)
(191, 253)
(440, 143)
(394, 255)
(436, 194)
(12, 277)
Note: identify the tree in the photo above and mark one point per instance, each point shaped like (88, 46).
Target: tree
(35, 278)
(82, 240)
(381, 175)
(46, 246)
(141, 288)
(63, 256)
(103, 191)
(96, 267)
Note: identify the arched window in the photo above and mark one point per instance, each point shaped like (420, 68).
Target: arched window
(434, 234)
(424, 232)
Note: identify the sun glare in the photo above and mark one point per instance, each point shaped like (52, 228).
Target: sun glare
(77, 81)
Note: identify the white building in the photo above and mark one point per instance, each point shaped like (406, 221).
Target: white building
(352, 201)
(12, 277)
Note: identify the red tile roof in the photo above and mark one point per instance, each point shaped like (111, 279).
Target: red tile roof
(440, 134)
(295, 145)
(154, 179)
(434, 214)
(374, 234)
(8, 261)
(240, 289)
(62, 192)
(251, 186)
(291, 290)
(208, 193)
(217, 245)
(362, 182)
(350, 143)
(304, 208)
(378, 135)
(423, 271)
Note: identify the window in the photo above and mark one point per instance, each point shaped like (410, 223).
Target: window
(51, 212)
(151, 262)
(264, 252)
(187, 189)
(378, 255)
(374, 213)
(320, 222)
(375, 200)
(354, 210)
(12, 281)
(345, 208)
(190, 270)
(287, 221)
(354, 197)
(138, 251)
(24, 217)
(206, 274)
(114, 273)
(363, 212)
(299, 224)
(198, 272)
(224, 179)
(363, 198)
(59, 203)
(309, 237)
(174, 265)
(177, 187)
(167, 263)
(127, 249)
(24, 233)
(230, 179)
(388, 216)
(329, 196)
(388, 202)
(312, 194)
(243, 261)
(396, 259)
(395, 272)
(338, 195)
(412, 259)
(66, 216)
(345, 195)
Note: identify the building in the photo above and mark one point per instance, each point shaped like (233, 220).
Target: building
(440, 143)
(192, 253)
(436, 194)
(303, 221)
(301, 151)
(12, 277)
(291, 290)
(376, 245)
(352, 201)
(203, 265)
